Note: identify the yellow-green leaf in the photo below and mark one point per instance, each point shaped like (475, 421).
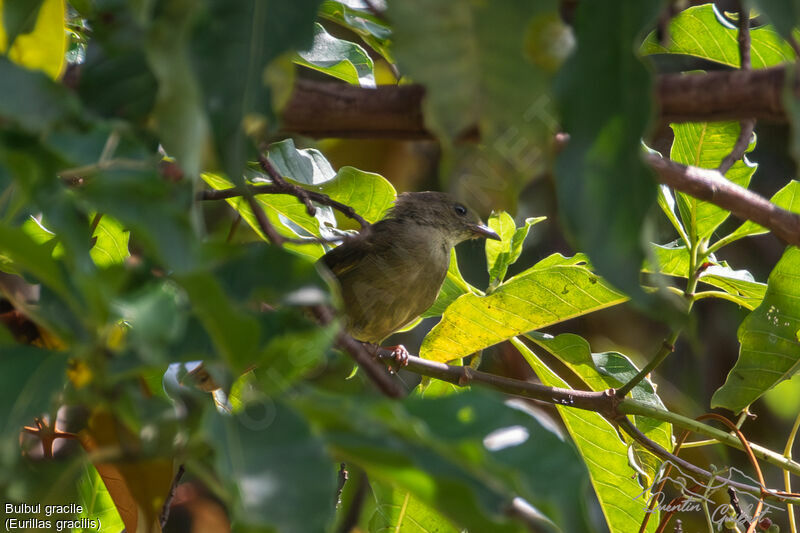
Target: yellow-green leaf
(45, 47)
(555, 289)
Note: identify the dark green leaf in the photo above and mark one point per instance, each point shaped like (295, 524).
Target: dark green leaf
(31, 377)
(19, 16)
(33, 101)
(273, 467)
(245, 37)
(179, 115)
(601, 168)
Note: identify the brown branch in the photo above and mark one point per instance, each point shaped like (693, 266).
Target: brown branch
(604, 403)
(163, 518)
(285, 188)
(361, 355)
(711, 186)
(329, 109)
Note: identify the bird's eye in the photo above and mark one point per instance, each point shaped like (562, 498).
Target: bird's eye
(460, 210)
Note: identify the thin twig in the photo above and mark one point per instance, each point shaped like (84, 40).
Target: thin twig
(286, 188)
(278, 180)
(164, 516)
(787, 478)
(746, 126)
(263, 222)
(667, 347)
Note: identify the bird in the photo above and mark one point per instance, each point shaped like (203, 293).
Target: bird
(391, 273)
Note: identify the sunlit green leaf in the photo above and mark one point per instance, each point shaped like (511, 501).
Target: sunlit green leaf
(37, 33)
(111, 246)
(674, 260)
(703, 31)
(96, 502)
(399, 510)
(338, 58)
(769, 345)
(553, 290)
(605, 455)
(375, 32)
(705, 145)
(601, 371)
(504, 253)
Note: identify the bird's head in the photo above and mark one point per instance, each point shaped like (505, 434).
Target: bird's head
(441, 212)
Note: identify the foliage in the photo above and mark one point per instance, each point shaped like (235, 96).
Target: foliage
(182, 338)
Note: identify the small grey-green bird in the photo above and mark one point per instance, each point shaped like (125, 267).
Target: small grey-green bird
(391, 273)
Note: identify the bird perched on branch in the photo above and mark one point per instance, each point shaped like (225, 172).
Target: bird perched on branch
(391, 273)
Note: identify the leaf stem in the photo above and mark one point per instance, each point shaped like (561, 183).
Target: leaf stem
(787, 478)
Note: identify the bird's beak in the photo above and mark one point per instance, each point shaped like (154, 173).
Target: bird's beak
(483, 231)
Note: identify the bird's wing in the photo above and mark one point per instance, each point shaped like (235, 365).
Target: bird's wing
(347, 256)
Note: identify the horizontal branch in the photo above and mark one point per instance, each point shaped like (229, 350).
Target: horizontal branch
(604, 403)
(329, 109)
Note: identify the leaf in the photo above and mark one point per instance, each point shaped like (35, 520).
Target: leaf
(674, 260)
(338, 58)
(769, 346)
(504, 253)
(32, 378)
(111, 246)
(477, 44)
(705, 145)
(272, 465)
(553, 290)
(788, 198)
(36, 31)
(235, 333)
(601, 371)
(467, 455)
(35, 259)
(601, 168)
(244, 36)
(375, 32)
(398, 510)
(19, 18)
(97, 502)
(702, 31)
(370, 194)
(605, 455)
(33, 102)
(178, 114)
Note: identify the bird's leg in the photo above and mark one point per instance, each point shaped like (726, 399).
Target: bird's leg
(400, 356)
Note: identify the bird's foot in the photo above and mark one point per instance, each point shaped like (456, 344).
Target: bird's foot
(400, 356)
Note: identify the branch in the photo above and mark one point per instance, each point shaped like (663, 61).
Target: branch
(604, 403)
(329, 109)
(284, 188)
(711, 186)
